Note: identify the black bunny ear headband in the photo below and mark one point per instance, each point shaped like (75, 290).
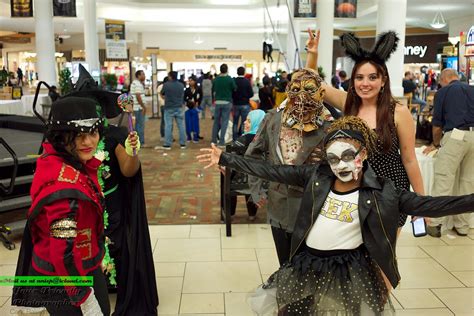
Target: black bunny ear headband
(385, 45)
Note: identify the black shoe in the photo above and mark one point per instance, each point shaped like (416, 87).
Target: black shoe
(459, 233)
(199, 137)
(434, 231)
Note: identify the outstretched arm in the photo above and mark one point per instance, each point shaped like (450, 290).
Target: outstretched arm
(291, 175)
(427, 206)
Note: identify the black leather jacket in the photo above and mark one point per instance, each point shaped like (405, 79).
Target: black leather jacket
(379, 205)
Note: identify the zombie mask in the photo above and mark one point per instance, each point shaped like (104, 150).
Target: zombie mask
(304, 110)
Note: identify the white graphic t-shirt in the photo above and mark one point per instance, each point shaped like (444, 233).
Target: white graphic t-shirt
(337, 226)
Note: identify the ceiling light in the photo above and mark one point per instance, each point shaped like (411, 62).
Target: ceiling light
(438, 21)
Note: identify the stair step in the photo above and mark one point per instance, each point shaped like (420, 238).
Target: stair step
(18, 181)
(15, 203)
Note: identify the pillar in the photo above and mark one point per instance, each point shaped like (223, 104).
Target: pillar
(91, 39)
(391, 16)
(293, 44)
(44, 38)
(325, 23)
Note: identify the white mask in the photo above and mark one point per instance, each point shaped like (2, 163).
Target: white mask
(349, 169)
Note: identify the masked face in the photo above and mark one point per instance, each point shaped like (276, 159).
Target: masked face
(344, 160)
(305, 105)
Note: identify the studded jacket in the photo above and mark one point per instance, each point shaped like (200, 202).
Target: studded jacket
(65, 220)
(379, 205)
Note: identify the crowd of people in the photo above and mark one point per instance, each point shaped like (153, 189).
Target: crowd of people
(340, 161)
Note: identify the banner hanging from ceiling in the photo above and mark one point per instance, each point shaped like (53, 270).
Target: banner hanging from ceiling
(115, 44)
(64, 8)
(305, 9)
(345, 8)
(21, 8)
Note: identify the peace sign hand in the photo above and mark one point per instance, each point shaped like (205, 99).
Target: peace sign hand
(313, 42)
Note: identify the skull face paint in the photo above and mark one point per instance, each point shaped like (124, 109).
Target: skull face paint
(305, 96)
(344, 160)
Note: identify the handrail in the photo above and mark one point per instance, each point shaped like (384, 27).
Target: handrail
(8, 190)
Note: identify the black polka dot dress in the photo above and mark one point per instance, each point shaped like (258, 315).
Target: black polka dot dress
(389, 165)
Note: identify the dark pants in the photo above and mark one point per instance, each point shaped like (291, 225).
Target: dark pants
(282, 241)
(100, 292)
(251, 206)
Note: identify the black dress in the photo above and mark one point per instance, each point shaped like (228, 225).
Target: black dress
(389, 165)
(128, 231)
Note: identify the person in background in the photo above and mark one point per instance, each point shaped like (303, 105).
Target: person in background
(409, 86)
(19, 75)
(265, 94)
(206, 101)
(241, 102)
(453, 135)
(193, 99)
(335, 83)
(191, 119)
(137, 90)
(222, 87)
(173, 92)
(53, 93)
(239, 146)
(344, 80)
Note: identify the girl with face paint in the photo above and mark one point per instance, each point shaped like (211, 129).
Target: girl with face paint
(345, 234)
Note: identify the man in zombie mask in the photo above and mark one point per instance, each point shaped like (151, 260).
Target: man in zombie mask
(291, 134)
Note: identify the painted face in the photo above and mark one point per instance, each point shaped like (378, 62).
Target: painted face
(305, 95)
(344, 160)
(86, 145)
(367, 82)
(247, 125)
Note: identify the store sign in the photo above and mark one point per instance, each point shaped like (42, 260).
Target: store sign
(115, 44)
(305, 9)
(64, 8)
(419, 51)
(218, 57)
(21, 8)
(470, 36)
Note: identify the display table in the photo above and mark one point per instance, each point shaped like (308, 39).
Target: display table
(25, 105)
(13, 107)
(426, 164)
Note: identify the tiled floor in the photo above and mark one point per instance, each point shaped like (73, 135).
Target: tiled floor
(202, 272)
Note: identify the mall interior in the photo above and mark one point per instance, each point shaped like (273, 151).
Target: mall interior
(192, 256)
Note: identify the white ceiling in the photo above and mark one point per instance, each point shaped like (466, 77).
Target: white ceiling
(225, 16)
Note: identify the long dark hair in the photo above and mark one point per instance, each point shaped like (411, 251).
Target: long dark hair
(385, 104)
(60, 140)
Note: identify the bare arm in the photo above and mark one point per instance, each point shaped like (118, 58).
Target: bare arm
(335, 97)
(406, 135)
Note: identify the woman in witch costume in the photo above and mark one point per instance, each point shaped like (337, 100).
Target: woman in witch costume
(64, 235)
(346, 227)
(130, 269)
(369, 97)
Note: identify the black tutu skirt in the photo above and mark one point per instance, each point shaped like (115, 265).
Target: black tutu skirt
(336, 282)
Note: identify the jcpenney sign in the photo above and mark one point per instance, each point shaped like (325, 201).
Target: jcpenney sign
(419, 51)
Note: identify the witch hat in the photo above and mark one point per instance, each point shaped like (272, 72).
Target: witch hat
(87, 87)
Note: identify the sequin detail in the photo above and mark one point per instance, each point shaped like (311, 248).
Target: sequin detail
(63, 228)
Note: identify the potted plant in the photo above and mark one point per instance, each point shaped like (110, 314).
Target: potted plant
(65, 83)
(110, 81)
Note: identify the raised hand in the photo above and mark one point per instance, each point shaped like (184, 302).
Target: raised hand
(211, 156)
(313, 42)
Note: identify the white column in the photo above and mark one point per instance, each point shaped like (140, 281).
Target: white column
(44, 38)
(292, 45)
(91, 40)
(325, 22)
(391, 16)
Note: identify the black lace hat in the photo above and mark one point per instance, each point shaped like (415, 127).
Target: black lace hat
(86, 87)
(75, 114)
